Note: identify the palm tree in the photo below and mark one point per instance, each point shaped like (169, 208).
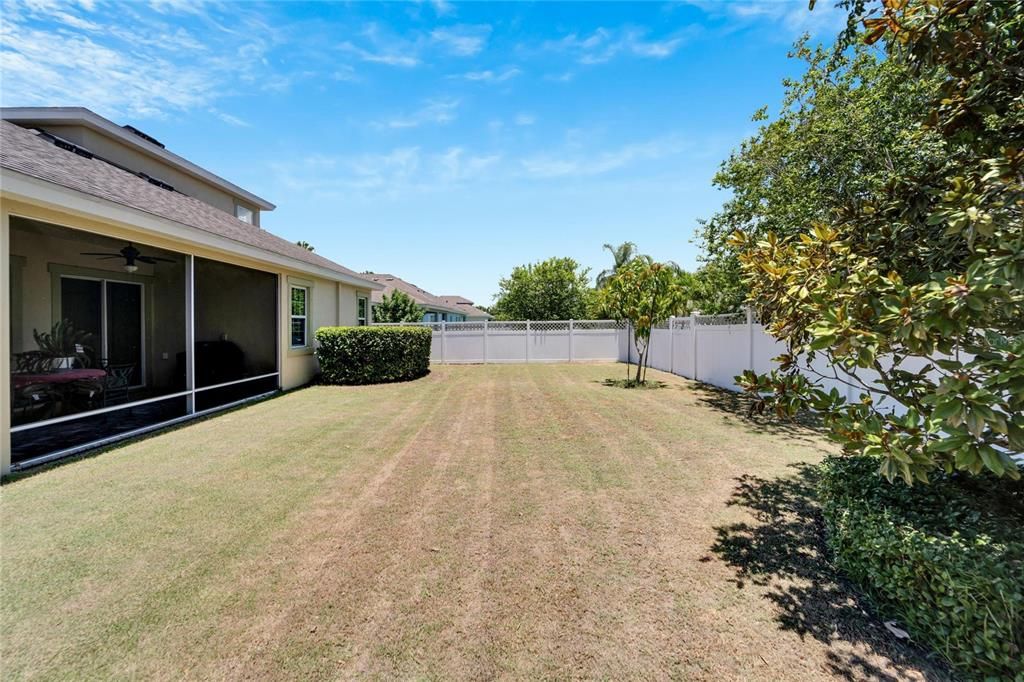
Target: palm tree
(622, 254)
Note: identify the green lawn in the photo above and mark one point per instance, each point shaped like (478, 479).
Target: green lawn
(522, 521)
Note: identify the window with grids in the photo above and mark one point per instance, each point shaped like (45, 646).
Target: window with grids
(300, 317)
(361, 311)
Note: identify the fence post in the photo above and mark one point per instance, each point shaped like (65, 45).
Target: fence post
(485, 342)
(570, 341)
(694, 326)
(672, 344)
(750, 338)
(527, 340)
(444, 345)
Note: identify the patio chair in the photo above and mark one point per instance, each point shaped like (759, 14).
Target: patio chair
(33, 402)
(117, 383)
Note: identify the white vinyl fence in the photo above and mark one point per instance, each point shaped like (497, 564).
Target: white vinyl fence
(556, 341)
(713, 349)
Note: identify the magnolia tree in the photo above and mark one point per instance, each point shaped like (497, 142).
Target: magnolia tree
(397, 307)
(645, 294)
(915, 274)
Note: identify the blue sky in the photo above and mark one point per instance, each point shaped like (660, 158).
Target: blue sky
(442, 142)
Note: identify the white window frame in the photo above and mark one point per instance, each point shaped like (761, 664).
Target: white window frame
(102, 350)
(247, 212)
(364, 320)
(292, 316)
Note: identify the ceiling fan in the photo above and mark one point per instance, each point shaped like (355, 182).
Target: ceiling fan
(130, 255)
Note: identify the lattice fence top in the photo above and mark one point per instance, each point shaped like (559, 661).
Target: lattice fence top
(583, 325)
(721, 320)
(506, 326)
(552, 326)
(520, 325)
(468, 327)
(577, 325)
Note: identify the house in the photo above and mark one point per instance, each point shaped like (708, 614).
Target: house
(435, 308)
(179, 303)
(471, 313)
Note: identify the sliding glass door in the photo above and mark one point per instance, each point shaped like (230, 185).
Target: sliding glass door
(112, 312)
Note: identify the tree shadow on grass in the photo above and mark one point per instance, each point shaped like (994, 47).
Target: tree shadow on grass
(806, 426)
(785, 553)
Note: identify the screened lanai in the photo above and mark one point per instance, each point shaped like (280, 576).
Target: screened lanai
(110, 338)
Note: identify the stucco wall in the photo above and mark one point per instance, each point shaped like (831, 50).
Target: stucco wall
(331, 304)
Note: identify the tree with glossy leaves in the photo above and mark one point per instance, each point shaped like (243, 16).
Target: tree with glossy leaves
(916, 271)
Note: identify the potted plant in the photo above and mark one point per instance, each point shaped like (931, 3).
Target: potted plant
(64, 344)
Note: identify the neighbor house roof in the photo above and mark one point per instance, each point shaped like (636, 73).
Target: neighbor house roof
(421, 296)
(465, 305)
(27, 152)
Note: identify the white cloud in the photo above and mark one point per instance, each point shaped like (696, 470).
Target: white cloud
(489, 76)
(442, 7)
(345, 72)
(438, 111)
(389, 58)
(458, 166)
(579, 164)
(380, 46)
(604, 44)
(795, 17)
(462, 40)
(396, 173)
(134, 64)
(524, 119)
(564, 77)
(231, 120)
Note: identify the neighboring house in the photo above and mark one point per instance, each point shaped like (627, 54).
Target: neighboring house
(189, 305)
(471, 313)
(435, 308)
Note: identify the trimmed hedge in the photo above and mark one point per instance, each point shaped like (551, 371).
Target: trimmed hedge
(947, 559)
(372, 355)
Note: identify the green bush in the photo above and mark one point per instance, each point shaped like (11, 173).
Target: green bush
(372, 355)
(946, 559)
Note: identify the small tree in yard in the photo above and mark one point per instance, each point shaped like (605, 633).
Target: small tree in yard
(922, 258)
(398, 307)
(645, 294)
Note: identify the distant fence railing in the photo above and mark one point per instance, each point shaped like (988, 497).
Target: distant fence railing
(526, 341)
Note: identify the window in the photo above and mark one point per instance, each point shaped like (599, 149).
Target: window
(300, 316)
(361, 311)
(244, 214)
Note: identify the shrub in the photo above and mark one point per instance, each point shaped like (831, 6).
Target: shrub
(372, 355)
(947, 559)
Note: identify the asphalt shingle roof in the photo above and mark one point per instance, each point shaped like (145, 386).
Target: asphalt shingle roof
(24, 151)
(464, 304)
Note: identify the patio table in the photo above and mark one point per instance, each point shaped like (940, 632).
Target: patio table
(59, 376)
